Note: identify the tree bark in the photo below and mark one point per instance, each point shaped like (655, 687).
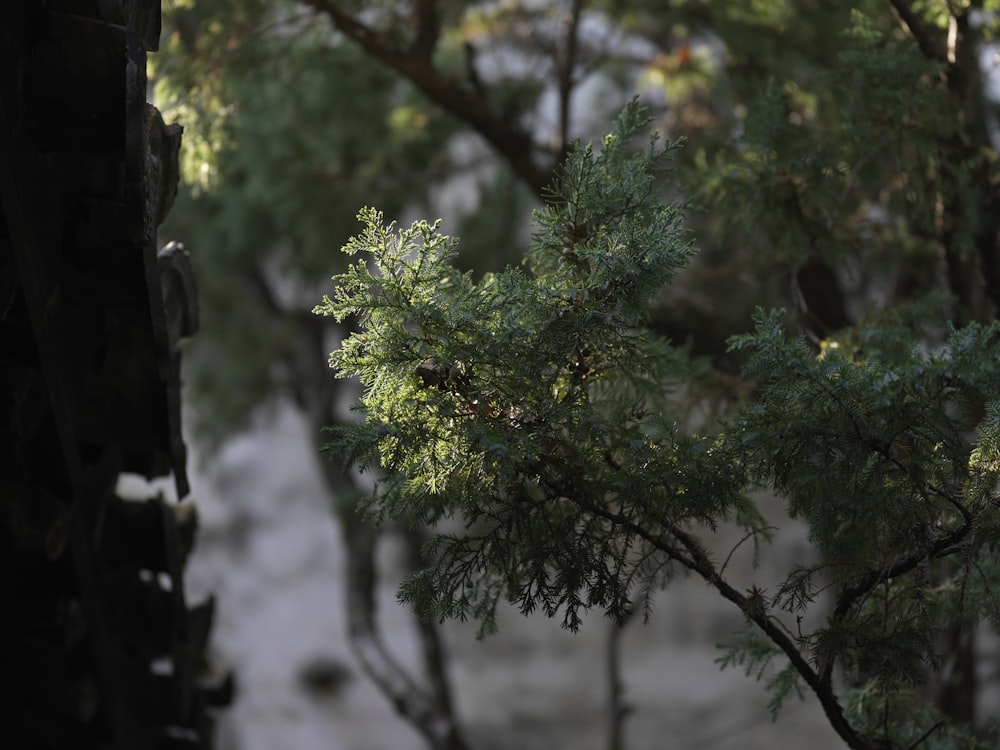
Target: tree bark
(466, 103)
(430, 712)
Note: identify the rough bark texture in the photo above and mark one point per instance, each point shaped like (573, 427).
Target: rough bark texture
(100, 649)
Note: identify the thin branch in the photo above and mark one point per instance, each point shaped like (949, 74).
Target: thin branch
(824, 692)
(692, 555)
(928, 42)
(884, 451)
(618, 708)
(748, 535)
(922, 738)
(944, 547)
(467, 104)
(421, 710)
(566, 64)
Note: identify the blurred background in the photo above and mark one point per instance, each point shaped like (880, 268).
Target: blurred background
(810, 143)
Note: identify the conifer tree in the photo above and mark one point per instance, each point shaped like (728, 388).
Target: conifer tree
(528, 417)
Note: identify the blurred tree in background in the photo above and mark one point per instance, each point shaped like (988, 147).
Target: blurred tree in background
(839, 156)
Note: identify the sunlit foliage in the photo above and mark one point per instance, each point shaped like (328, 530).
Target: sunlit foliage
(528, 417)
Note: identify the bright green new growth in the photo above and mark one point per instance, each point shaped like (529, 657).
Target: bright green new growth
(529, 406)
(528, 417)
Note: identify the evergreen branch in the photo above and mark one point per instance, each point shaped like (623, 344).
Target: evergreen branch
(567, 66)
(576, 498)
(883, 450)
(832, 708)
(944, 547)
(923, 738)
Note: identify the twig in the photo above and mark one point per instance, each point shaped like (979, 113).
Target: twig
(618, 709)
(421, 710)
(467, 104)
(566, 68)
(692, 555)
(925, 735)
(748, 535)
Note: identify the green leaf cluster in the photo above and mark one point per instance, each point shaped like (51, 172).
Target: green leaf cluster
(870, 440)
(288, 128)
(885, 444)
(525, 413)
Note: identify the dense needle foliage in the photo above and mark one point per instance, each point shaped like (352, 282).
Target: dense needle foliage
(530, 404)
(528, 417)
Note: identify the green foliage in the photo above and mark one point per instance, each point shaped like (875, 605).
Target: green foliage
(272, 157)
(866, 152)
(888, 465)
(885, 444)
(530, 415)
(756, 654)
(815, 141)
(528, 408)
